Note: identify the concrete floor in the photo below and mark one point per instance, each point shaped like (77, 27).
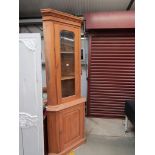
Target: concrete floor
(107, 127)
(107, 137)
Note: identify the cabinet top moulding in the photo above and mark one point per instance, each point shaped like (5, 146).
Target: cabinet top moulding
(57, 16)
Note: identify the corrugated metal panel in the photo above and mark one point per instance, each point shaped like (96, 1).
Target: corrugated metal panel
(111, 78)
(31, 8)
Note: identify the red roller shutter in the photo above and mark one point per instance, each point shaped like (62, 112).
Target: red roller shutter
(111, 70)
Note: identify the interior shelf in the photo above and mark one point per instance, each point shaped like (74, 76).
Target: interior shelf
(67, 77)
(64, 52)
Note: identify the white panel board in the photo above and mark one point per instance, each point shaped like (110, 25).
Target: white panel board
(30, 96)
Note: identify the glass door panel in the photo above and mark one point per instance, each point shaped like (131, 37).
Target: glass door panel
(68, 87)
(67, 63)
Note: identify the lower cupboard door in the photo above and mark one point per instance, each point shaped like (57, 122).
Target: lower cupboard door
(72, 126)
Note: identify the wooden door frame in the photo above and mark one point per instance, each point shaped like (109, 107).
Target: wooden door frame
(57, 29)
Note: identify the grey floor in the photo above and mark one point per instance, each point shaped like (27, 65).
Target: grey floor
(107, 137)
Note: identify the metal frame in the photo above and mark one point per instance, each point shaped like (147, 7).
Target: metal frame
(34, 21)
(130, 5)
(126, 123)
(89, 61)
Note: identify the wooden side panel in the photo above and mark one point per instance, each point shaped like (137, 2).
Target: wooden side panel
(53, 132)
(50, 62)
(72, 125)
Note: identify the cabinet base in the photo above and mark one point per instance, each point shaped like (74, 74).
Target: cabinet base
(65, 127)
(64, 152)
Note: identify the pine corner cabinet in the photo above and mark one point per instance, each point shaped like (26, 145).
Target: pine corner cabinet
(65, 106)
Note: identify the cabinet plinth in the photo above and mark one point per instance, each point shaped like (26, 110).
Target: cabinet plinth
(65, 106)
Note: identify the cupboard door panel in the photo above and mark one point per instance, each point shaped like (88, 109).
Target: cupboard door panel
(72, 124)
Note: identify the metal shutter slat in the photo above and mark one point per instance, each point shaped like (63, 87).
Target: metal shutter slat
(111, 70)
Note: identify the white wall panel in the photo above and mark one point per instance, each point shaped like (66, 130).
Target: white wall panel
(30, 96)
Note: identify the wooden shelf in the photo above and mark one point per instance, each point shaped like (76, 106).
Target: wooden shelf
(67, 77)
(67, 52)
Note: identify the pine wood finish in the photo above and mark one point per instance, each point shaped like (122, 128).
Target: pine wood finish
(65, 106)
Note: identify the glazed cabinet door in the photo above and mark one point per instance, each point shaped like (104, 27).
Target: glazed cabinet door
(67, 43)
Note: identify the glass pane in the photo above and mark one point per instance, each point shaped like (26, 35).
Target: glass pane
(68, 87)
(67, 63)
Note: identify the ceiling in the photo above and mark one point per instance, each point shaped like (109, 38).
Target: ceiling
(31, 8)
